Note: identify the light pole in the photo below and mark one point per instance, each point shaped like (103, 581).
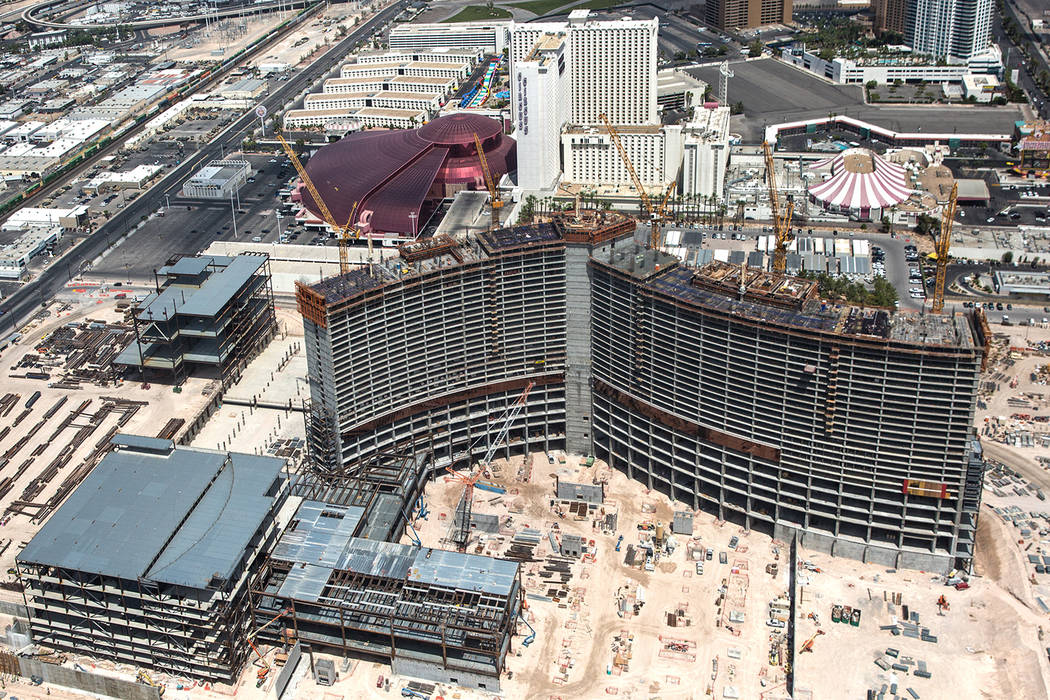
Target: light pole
(277, 214)
(167, 203)
(233, 214)
(412, 215)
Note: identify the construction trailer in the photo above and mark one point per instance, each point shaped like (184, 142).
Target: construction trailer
(148, 562)
(210, 311)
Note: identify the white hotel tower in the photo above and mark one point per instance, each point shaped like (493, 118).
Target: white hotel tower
(570, 73)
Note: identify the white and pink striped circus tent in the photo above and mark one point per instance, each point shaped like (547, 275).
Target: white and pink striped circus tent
(861, 182)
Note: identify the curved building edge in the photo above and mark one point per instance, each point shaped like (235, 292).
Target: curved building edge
(756, 402)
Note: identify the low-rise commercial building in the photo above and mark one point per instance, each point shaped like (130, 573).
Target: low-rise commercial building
(490, 37)
(1027, 282)
(36, 217)
(15, 256)
(246, 89)
(219, 179)
(904, 66)
(980, 88)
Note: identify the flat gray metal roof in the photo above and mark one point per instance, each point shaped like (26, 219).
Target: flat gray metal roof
(208, 299)
(142, 442)
(183, 518)
(321, 542)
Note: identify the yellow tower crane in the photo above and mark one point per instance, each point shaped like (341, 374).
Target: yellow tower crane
(343, 232)
(781, 220)
(944, 242)
(656, 216)
(494, 198)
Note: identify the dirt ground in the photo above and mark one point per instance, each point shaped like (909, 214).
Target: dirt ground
(17, 529)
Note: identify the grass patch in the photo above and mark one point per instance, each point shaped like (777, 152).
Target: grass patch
(541, 7)
(478, 13)
(598, 4)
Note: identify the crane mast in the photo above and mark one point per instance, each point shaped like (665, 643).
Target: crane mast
(781, 220)
(494, 198)
(341, 231)
(655, 215)
(462, 532)
(944, 242)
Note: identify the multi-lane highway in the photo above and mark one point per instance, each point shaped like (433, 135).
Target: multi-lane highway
(27, 299)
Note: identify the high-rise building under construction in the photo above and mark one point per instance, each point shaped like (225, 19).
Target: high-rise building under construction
(737, 391)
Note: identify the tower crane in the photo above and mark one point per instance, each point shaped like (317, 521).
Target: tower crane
(462, 533)
(781, 220)
(656, 216)
(944, 242)
(343, 232)
(495, 201)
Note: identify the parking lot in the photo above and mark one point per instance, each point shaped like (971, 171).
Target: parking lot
(189, 225)
(773, 91)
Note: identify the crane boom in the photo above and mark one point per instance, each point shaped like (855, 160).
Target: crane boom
(627, 162)
(944, 242)
(462, 533)
(326, 214)
(655, 216)
(495, 202)
(781, 221)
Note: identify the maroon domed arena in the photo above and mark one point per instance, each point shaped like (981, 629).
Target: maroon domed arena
(398, 178)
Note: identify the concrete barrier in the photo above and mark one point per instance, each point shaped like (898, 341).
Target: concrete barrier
(94, 683)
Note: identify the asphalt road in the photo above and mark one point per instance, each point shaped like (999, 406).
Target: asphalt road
(23, 303)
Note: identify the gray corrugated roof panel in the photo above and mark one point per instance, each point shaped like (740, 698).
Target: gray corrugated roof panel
(142, 442)
(305, 582)
(187, 266)
(213, 539)
(736, 257)
(162, 306)
(374, 558)
(125, 513)
(382, 517)
(466, 571)
(220, 286)
(321, 534)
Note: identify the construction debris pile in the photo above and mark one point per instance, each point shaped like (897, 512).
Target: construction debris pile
(78, 352)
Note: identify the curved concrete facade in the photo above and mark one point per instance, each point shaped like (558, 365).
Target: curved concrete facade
(764, 406)
(785, 413)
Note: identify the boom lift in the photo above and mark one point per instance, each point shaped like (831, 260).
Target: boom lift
(944, 242)
(469, 481)
(781, 220)
(495, 202)
(808, 644)
(343, 232)
(656, 216)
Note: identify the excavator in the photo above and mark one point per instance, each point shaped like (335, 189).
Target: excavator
(808, 644)
(144, 677)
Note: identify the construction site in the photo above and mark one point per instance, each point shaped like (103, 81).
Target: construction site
(543, 461)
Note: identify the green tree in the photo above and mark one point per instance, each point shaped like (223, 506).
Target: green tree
(1008, 257)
